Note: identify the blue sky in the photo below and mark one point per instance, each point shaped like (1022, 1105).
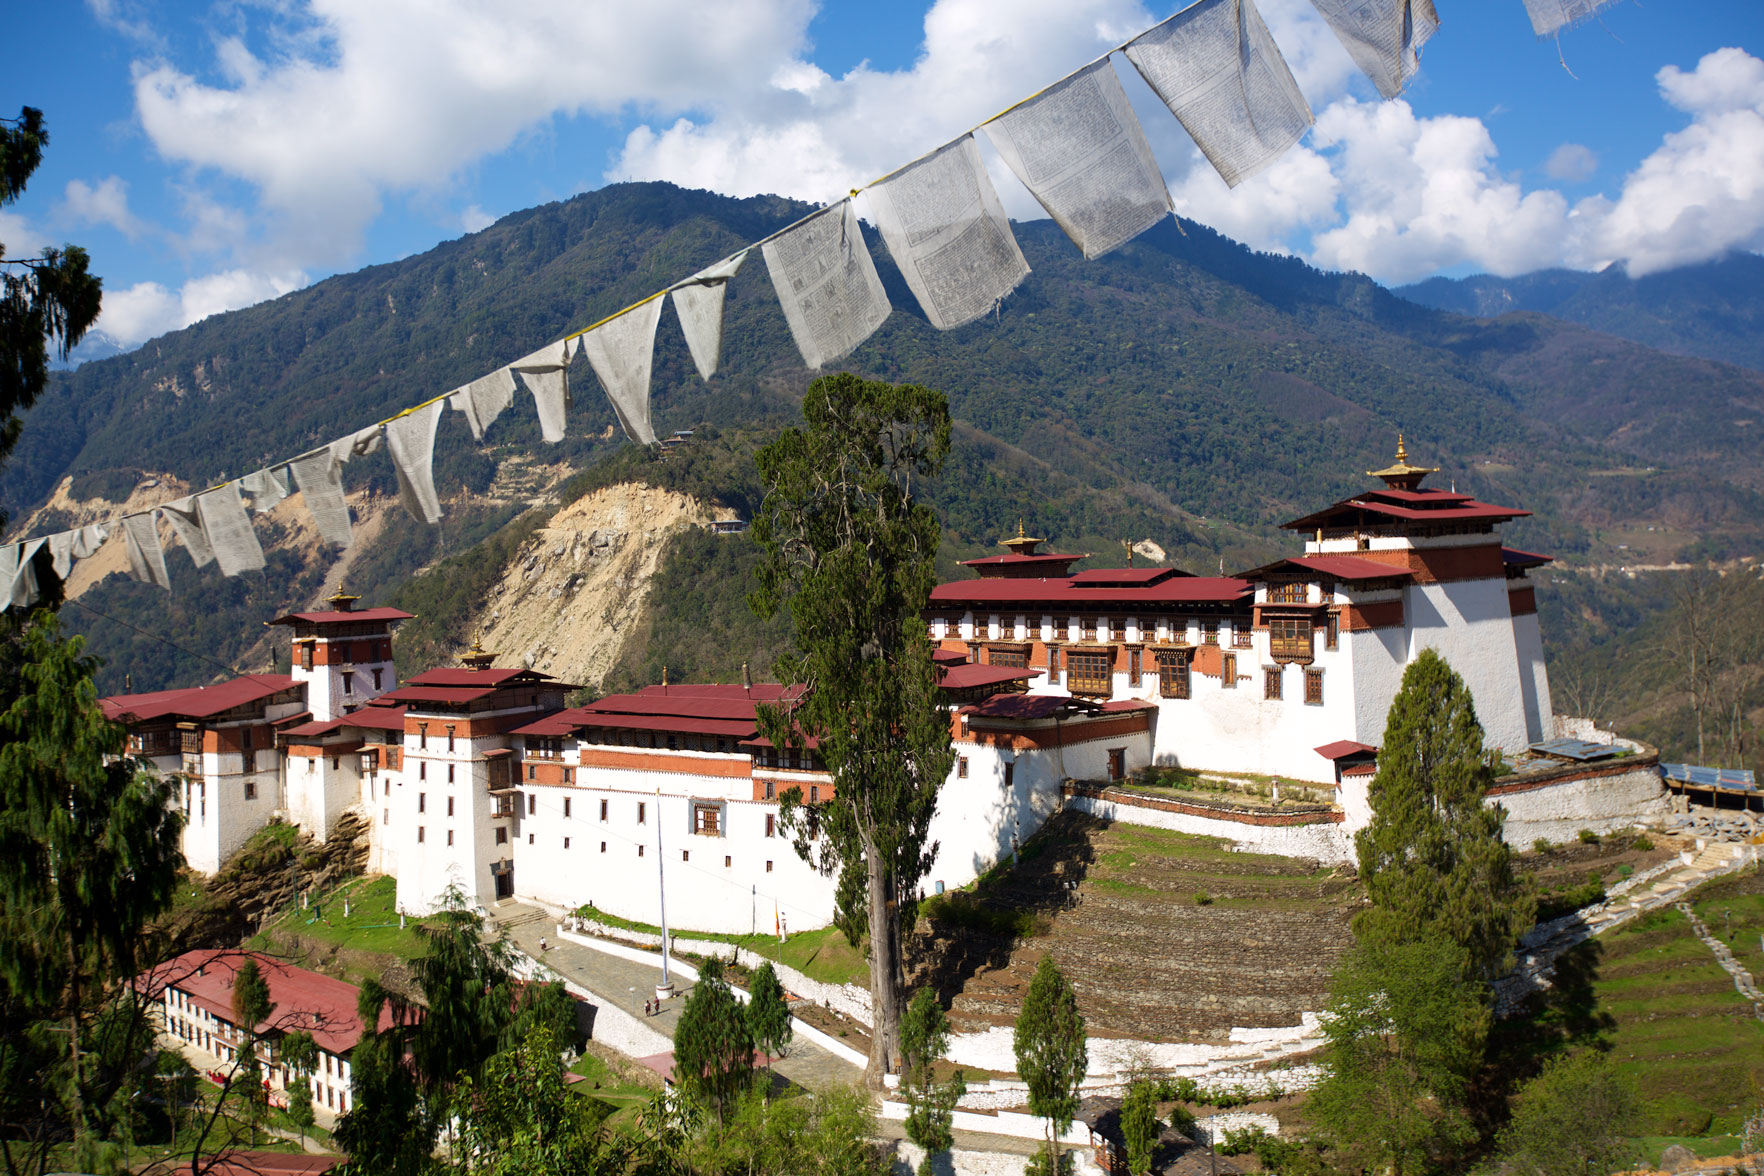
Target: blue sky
(214, 154)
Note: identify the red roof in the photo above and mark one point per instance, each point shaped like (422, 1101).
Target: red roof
(948, 657)
(317, 1004)
(448, 694)
(326, 618)
(1116, 705)
(1065, 591)
(1409, 506)
(376, 718)
(467, 676)
(1342, 748)
(1124, 577)
(195, 702)
(1334, 567)
(1011, 557)
(1029, 706)
(262, 1163)
(1514, 558)
(580, 718)
(970, 675)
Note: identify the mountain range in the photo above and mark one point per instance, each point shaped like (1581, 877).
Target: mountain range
(1184, 389)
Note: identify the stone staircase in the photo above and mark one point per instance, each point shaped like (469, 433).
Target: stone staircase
(1650, 890)
(1147, 960)
(1742, 979)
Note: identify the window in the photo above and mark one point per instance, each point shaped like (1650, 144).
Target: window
(1172, 673)
(385, 816)
(962, 767)
(1210, 632)
(1271, 684)
(1228, 671)
(422, 769)
(1135, 670)
(1314, 687)
(450, 737)
(1291, 592)
(639, 851)
(422, 802)
(1087, 672)
(814, 794)
(348, 681)
(1088, 628)
(306, 655)
(642, 812)
(771, 825)
(768, 867)
(1117, 763)
(377, 684)
(566, 843)
(450, 773)
(727, 861)
(566, 806)
(423, 735)
(603, 810)
(685, 855)
(1289, 638)
(419, 833)
(532, 771)
(450, 837)
(1053, 665)
(603, 847)
(569, 778)
(251, 790)
(1331, 630)
(1014, 656)
(529, 839)
(532, 803)
(501, 835)
(1240, 632)
(450, 804)
(707, 819)
(771, 790)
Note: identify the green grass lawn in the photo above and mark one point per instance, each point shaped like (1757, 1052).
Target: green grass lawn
(607, 1086)
(822, 955)
(370, 925)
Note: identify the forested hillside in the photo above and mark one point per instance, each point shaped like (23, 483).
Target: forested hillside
(1714, 309)
(1184, 390)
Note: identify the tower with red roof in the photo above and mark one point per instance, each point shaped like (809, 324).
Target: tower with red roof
(343, 654)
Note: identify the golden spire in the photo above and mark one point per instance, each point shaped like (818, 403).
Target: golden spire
(478, 658)
(1401, 475)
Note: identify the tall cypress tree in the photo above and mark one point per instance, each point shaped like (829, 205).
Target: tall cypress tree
(852, 555)
(1052, 1054)
(713, 1044)
(1432, 857)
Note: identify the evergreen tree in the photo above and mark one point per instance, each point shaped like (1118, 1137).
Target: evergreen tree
(521, 1120)
(1432, 857)
(1574, 1119)
(386, 1131)
(43, 300)
(713, 1046)
(852, 555)
(1052, 1056)
(1139, 1125)
(924, 1037)
(251, 1009)
(465, 981)
(768, 1017)
(88, 857)
(1405, 1027)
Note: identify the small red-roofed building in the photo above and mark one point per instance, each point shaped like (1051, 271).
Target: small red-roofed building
(192, 995)
(343, 654)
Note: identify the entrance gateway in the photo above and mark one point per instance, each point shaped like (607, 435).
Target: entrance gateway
(503, 873)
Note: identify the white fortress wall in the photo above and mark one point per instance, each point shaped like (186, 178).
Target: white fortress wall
(1470, 625)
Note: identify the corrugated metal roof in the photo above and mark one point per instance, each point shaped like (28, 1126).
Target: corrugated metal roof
(466, 676)
(1064, 592)
(1342, 748)
(969, 675)
(304, 1000)
(1124, 577)
(1333, 567)
(196, 702)
(1740, 778)
(1578, 750)
(326, 618)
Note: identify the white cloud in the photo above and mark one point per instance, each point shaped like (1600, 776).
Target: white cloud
(137, 313)
(1572, 163)
(105, 204)
(399, 95)
(19, 236)
(475, 219)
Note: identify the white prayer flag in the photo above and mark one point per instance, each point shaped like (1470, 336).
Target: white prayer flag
(827, 283)
(699, 303)
(1549, 17)
(268, 487)
(61, 548)
(411, 438)
(484, 399)
(621, 351)
(89, 538)
(319, 475)
(546, 373)
(181, 514)
(146, 557)
(228, 530)
(1081, 152)
(1384, 37)
(358, 444)
(18, 578)
(1216, 67)
(948, 233)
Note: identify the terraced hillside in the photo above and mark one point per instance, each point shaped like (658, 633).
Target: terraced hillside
(1165, 936)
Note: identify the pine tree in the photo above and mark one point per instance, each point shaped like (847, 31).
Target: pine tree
(252, 1007)
(1052, 1056)
(768, 1017)
(924, 1037)
(1573, 1119)
(386, 1131)
(1432, 857)
(713, 1047)
(852, 555)
(300, 1054)
(1139, 1125)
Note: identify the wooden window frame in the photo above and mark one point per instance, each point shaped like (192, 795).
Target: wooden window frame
(1135, 667)
(1332, 629)
(1228, 671)
(1313, 686)
(1014, 657)
(1289, 592)
(1175, 674)
(707, 820)
(1292, 639)
(1090, 672)
(1273, 683)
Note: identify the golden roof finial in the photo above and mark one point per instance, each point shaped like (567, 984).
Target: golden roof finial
(1401, 475)
(1021, 533)
(1402, 450)
(477, 657)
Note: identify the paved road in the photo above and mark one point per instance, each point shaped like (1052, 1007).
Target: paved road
(628, 984)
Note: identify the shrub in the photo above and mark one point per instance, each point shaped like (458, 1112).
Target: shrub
(1202, 898)
(1542, 845)
(1243, 1141)
(1556, 903)
(1182, 1119)
(1642, 843)
(1588, 837)
(1178, 1090)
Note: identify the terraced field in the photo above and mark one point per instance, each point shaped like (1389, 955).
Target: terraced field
(1165, 936)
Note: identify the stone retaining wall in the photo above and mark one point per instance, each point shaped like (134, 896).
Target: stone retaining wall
(1307, 833)
(1605, 797)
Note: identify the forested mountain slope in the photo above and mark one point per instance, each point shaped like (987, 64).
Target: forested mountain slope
(1714, 309)
(1184, 389)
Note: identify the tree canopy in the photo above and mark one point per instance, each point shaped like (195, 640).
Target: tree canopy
(1052, 1053)
(852, 555)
